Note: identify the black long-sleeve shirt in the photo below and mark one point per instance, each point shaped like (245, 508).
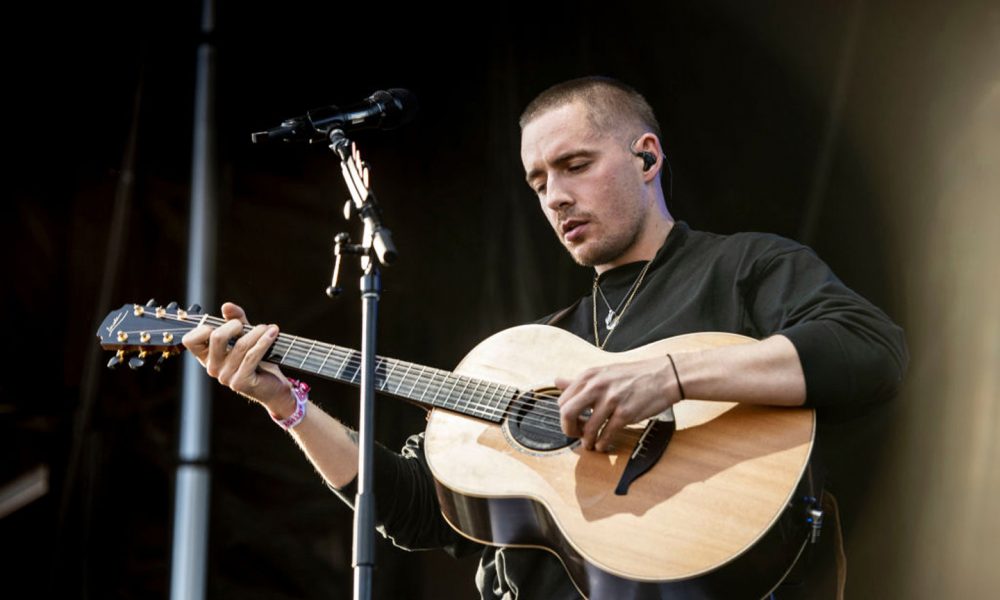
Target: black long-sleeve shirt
(753, 284)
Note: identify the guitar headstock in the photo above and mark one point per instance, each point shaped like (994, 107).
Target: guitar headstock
(147, 330)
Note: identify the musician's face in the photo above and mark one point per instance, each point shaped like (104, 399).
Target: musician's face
(588, 184)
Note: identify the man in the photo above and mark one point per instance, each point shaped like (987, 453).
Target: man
(591, 152)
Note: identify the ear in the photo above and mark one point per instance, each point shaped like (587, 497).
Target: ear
(649, 143)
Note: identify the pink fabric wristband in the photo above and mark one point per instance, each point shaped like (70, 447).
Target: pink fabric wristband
(300, 390)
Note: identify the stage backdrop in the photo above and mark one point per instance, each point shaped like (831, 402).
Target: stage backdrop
(870, 131)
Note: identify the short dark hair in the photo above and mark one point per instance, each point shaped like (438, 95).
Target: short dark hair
(610, 103)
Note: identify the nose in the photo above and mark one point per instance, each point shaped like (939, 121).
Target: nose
(557, 195)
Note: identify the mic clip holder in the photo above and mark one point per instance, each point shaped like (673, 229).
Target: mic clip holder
(342, 245)
(377, 238)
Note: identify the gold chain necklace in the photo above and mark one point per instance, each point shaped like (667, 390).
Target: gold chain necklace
(614, 318)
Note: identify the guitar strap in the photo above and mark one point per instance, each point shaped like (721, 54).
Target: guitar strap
(562, 313)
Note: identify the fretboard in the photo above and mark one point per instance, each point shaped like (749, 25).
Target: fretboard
(423, 385)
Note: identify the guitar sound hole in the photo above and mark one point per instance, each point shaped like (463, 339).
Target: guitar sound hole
(533, 421)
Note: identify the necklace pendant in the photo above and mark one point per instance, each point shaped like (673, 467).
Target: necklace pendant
(611, 320)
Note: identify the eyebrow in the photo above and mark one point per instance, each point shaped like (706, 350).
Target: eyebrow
(559, 160)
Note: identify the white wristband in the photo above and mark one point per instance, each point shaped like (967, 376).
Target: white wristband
(300, 390)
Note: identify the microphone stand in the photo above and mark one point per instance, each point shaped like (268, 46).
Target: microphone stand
(376, 250)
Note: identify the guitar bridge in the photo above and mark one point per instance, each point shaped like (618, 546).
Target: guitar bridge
(648, 450)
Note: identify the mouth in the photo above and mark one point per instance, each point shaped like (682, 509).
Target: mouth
(573, 229)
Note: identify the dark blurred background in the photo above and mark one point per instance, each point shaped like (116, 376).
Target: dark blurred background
(868, 130)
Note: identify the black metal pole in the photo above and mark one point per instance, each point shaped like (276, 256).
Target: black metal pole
(193, 478)
(364, 502)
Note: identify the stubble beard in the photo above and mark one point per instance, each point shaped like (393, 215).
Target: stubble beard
(609, 249)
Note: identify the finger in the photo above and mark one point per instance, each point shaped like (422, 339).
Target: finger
(563, 382)
(234, 311)
(572, 404)
(615, 424)
(247, 377)
(196, 341)
(218, 345)
(602, 411)
(238, 353)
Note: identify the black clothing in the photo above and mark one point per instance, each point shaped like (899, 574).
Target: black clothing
(753, 284)
(756, 285)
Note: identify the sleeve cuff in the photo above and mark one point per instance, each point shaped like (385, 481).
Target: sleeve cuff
(829, 378)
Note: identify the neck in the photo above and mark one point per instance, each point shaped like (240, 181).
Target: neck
(646, 246)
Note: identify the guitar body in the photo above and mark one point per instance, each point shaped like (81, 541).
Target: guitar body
(720, 515)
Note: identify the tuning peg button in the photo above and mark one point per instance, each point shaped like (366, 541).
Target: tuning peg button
(159, 362)
(135, 363)
(151, 303)
(172, 306)
(194, 308)
(116, 359)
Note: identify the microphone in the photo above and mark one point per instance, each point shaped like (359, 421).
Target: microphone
(385, 109)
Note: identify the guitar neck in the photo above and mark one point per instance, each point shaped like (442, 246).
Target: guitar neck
(153, 329)
(422, 385)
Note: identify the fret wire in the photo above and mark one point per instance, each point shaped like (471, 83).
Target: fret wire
(448, 398)
(408, 376)
(465, 387)
(379, 363)
(474, 392)
(422, 371)
(291, 343)
(497, 396)
(488, 394)
(451, 392)
(409, 367)
(343, 365)
(481, 394)
(325, 358)
(357, 370)
(388, 375)
(471, 399)
(416, 380)
(434, 401)
(304, 358)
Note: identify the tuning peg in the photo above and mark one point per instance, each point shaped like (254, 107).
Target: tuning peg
(159, 362)
(151, 303)
(194, 308)
(137, 361)
(116, 359)
(172, 306)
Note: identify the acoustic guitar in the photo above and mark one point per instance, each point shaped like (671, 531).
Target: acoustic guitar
(711, 501)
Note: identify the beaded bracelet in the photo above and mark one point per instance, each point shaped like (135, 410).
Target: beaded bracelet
(300, 390)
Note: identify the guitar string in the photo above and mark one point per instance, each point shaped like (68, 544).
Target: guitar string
(623, 439)
(546, 420)
(348, 357)
(351, 358)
